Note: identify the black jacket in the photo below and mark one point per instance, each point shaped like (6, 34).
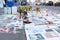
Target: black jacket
(5, 1)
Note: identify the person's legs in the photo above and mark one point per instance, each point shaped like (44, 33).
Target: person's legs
(5, 3)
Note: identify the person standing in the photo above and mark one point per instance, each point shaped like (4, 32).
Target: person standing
(2, 3)
(5, 3)
(9, 4)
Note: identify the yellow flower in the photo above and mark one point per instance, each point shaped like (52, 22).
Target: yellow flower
(38, 9)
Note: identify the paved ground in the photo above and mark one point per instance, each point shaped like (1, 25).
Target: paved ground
(11, 36)
(21, 35)
(1, 11)
(52, 8)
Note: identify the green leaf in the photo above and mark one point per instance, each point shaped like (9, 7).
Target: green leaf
(20, 10)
